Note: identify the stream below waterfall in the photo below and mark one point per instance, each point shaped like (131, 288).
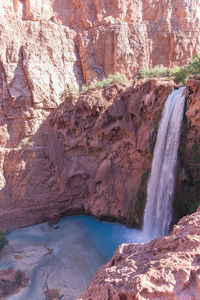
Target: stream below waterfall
(64, 256)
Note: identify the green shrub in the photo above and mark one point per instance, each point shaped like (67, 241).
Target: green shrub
(118, 78)
(178, 74)
(69, 91)
(193, 68)
(3, 239)
(154, 72)
(112, 78)
(99, 84)
(84, 88)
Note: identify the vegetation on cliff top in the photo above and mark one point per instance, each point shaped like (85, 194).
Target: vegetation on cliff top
(112, 78)
(178, 74)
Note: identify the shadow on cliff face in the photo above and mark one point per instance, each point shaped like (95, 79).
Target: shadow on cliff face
(15, 101)
(88, 156)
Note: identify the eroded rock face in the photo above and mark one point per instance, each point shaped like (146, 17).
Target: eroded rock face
(166, 268)
(90, 155)
(47, 46)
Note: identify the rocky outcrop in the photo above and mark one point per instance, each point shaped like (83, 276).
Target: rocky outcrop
(11, 281)
(166, 268)
(187, 195)
(91, 155)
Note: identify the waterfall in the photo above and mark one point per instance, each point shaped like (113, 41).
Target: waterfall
(158, 210)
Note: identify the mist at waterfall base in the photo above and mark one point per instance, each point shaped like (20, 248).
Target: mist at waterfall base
(67, 255)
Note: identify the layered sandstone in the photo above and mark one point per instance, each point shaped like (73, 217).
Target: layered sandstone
(48, 46)
(166, 268)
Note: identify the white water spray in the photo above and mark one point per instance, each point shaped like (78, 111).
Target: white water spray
(158, 210)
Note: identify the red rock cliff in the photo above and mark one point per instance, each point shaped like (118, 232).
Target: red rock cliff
(78, 41)
(47, 46)
(89, 155)
(92, 155)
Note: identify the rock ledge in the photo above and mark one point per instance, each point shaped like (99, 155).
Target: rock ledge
(167, 268)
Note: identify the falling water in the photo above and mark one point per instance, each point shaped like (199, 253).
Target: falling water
(158, 210)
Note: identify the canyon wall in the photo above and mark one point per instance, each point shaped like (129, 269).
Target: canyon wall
(90, 155)
(78, 41)
(48, 47)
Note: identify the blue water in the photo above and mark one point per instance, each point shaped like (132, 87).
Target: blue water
(105, 236)
(63, 256)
